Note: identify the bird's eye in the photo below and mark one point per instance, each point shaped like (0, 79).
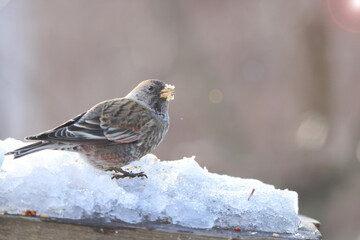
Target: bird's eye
(150, 88)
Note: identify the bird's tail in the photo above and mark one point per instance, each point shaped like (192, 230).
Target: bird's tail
(38, 146)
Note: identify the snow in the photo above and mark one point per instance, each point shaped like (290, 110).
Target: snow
(60, 184)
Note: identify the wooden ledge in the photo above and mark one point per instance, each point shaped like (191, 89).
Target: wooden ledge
(18, 227)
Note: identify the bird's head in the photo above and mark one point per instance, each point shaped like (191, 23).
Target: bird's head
(154, 94)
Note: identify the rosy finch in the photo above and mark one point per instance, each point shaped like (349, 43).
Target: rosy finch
(114, 132)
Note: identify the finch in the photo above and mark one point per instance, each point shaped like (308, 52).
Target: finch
(115, 132)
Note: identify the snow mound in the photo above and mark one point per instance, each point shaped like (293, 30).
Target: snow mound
(60, 184)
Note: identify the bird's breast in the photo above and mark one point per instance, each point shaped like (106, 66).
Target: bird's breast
(153, 133)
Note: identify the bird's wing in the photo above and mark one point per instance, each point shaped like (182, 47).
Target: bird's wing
(122, 120)
(118, 120)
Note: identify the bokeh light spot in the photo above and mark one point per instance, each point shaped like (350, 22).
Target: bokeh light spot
(312, 132)
(345, 14)
(355, 4)
(215, 96)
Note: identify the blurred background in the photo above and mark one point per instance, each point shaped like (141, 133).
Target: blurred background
(264, 89)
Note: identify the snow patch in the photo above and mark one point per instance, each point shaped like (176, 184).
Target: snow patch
(60, 184)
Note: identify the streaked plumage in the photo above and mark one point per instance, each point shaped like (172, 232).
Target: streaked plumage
(114, 132)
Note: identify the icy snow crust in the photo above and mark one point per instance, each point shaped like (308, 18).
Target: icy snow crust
(60, 184)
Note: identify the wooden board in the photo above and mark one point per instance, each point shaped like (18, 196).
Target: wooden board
(15, 227)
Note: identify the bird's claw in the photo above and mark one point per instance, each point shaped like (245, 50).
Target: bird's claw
(128, 174)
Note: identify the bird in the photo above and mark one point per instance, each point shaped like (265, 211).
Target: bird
(114, 132)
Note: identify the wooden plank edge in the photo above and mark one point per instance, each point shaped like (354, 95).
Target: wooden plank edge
(20, 227)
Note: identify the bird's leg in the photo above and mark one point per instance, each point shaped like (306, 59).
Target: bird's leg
(125, 174)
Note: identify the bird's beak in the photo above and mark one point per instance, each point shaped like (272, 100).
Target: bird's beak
(168, 92)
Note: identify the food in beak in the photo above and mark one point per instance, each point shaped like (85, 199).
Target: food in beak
(168, 92)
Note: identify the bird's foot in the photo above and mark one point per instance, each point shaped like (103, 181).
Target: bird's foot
(125, 174)
(128, 174)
